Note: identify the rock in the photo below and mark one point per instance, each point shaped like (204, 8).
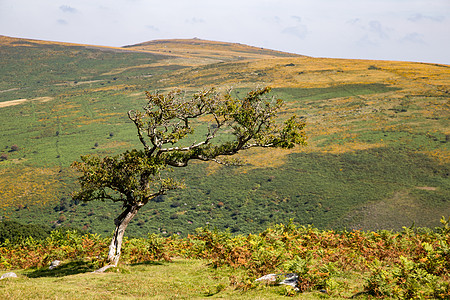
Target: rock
(289, 279)
(269, 278)
(54, 264)
(8, 275)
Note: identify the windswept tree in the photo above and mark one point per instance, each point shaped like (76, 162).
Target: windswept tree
(175, 129)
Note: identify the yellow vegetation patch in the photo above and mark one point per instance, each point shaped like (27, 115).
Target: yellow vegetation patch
(27, 186)
(443, 156)
(212, 168)
(85, 121)
(111, 88)
(257, 158)
(349, 147)
(110, 114)
(308, 72)
(114, 144)
(267, 158)
(140, 94)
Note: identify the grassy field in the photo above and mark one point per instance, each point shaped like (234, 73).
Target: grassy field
(179, 279)
(378, 137)
(407, 264)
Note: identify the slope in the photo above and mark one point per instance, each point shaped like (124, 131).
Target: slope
(378, 136)
(212, 50)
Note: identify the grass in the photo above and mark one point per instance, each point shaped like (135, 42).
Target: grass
(378, 132)
(179, 279)
(406, 264)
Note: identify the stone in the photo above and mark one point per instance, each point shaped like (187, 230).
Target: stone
(54, 264)
(289, 279)
(269, 278)
(8, 275)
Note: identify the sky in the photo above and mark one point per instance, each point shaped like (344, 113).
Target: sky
(406, 30)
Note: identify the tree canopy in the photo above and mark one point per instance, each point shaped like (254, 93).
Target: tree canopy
(174, 129)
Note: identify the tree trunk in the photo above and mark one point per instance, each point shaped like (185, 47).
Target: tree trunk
(121, 222)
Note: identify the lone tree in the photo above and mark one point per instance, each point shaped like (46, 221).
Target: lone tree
(224, 125)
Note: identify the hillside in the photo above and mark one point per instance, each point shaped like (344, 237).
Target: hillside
(378, 153)
(213, 50)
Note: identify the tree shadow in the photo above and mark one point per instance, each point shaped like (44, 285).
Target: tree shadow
(70, 268)
(77, 267)
(148, 263)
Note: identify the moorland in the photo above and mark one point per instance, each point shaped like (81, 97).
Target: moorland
(378, 136)
(361, 204)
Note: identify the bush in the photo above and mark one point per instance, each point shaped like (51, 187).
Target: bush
(16, 232)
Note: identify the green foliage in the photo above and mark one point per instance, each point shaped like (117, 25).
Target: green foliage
(406, 280)
(153, 248)
(135, 177)
(166, 120)
(397, 122)
(411, 264)
(119, 178)
(15, 232)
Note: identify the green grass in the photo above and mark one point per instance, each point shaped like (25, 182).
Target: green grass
(180, 279)
(372, 146)
(326, 190)
(330, 264)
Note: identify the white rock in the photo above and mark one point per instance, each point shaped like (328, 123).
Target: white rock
(54, 264)
(8, 275)
(268, 278)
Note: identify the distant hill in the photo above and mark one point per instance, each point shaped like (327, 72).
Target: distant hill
(197, 48)
(379, 136)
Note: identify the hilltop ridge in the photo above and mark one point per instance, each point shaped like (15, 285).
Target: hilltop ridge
(186, 48)
(205, 48)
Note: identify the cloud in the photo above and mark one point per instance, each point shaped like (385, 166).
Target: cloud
(372, 28)
(354, 21)
(369, 33)
(195, 20)
(151, 27)
(61, 22)
(297, 18)
(68, 9)
(414, 37)
(420, 17)
(299, 31)
(377, 28)
(366, 41)
(276, 19)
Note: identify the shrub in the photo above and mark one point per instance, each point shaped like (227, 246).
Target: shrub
(16, 232)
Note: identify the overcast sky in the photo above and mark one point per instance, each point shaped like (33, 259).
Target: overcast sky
(410, 30)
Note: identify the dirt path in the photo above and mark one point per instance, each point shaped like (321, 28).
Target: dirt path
(20, 101)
